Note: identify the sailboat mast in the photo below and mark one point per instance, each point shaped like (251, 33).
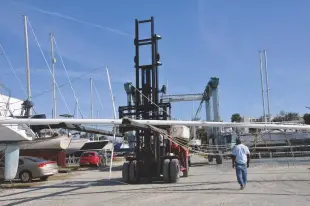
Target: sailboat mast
(112, 96)
(91, 99)
(267, 86)
(76, 109)
(27, 58)
(97, 118)
(53, 75)
(262, 85)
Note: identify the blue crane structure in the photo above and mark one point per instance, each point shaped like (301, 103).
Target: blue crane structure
(210, 91)
(212, 107)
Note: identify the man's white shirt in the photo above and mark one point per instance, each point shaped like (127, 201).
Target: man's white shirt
(241, 151)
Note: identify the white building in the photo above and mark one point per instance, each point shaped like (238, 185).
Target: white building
(245, 119)
(10, 105)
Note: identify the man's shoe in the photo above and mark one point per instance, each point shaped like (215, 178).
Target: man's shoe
(242, 187)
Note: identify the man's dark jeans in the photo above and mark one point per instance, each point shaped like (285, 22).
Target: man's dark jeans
(241, 172)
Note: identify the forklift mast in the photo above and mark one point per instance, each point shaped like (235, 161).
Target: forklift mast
(146, 103)
(146, 98)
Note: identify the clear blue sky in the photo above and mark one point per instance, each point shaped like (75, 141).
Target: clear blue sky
(201, 39)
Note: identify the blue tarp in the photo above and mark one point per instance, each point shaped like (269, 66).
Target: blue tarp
(117, 146)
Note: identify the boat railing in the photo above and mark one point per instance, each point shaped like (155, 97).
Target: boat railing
(71, 160)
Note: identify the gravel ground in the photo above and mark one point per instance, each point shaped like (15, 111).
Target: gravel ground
(271, 182)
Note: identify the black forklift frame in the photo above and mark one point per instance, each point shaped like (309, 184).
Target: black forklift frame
(147, 105)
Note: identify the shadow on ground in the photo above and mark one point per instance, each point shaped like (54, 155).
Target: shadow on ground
(189, 187)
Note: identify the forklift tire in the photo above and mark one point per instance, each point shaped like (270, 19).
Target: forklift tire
(125, 172)
(133, 172)
(166, 170)
(219, 159)
(210, 158)
(185, 172)
(174, 170)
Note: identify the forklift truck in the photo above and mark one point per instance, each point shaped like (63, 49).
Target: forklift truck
(156, 157)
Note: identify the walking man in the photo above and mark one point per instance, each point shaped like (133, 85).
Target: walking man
(241, 161)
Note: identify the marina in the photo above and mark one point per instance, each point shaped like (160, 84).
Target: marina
(114, 136)
(59, 144)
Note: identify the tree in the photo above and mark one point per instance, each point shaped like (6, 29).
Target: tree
(290, 116)
(282, 113)
(236, 117)
(306, 118)
(286, 116)
(278, 119)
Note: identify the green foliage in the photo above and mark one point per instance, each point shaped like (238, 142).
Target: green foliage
(282, 113)
(236, 117)
(286, 116)
(306, 118)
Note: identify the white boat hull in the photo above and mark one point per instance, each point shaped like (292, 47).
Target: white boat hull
(14, 133)
(275, 137)
(58, 143)
(76, 144)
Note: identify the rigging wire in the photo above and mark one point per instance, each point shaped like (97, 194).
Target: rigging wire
(63, 85)
(63, 64)
(48, 66)
(21, 85)
(7, 58)
(99, 98)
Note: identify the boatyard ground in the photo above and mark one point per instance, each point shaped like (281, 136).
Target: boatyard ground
(271, 182)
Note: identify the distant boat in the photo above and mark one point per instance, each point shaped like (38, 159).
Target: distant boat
(121, 146)
(275, 137)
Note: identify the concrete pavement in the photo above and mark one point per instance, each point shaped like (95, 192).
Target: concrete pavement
(269, 184)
